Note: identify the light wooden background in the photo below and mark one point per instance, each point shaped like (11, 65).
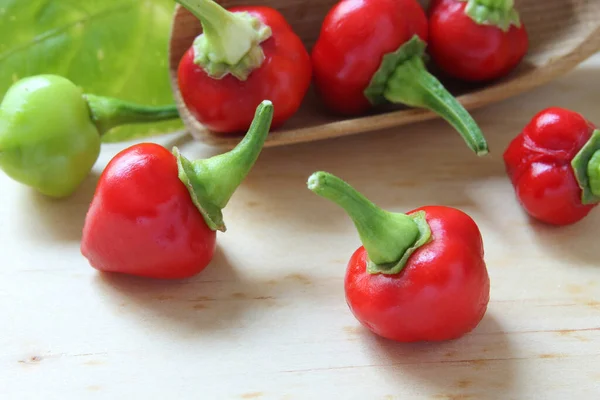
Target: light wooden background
(268, 320)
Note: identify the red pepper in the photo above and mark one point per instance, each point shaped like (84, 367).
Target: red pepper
(155, 213)
(418, 276)
(554, 166)
(244, 55)
(476, 40)
(371, 52)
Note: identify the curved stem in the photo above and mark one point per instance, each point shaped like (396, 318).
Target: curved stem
(411, 84)
(212, 182)
(593, 172)
(108, 113)
(386, 236)
(230, 40)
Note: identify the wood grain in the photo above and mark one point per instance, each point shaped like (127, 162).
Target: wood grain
(563, 33)
(268, 320)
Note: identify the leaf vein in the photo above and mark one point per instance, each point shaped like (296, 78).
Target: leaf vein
(58, 31)
(134, 66)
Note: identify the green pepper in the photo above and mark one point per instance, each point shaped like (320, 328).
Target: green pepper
(50, 131)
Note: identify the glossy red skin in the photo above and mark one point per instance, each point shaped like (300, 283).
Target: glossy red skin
(228, 105)
(538, 163)
(354, 37)
(466, 50)
(142, 220)
(441, 294)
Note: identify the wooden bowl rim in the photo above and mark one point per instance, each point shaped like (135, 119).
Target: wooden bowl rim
(351, 126)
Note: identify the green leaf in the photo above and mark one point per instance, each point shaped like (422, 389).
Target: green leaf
(116, 48)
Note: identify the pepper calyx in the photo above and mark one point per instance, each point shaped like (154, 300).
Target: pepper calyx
(396, 267)
(230, 42)
(386, 236)
(499, 13)
(403, 78)
(586, 167)
(211, 182)
(213, 216)
(415, 47)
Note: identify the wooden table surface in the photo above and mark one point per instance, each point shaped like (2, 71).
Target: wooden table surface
(268, 319)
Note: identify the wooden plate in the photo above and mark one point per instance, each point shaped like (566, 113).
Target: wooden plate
(563, 33)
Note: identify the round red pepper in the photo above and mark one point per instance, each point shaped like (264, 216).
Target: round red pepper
(476, 40)
(371, 52)
(419, 276)
(155, 213)
(245, 55)
(554, 166)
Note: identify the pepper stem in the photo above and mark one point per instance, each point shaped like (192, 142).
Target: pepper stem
(108, 113)
(403, 78)
(230, 42)
(212, 182)
(387, 237)
(593, 171)
(586, 168)
(500, 13)
(412, 85)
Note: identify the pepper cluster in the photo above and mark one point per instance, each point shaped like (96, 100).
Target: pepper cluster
(417, 276)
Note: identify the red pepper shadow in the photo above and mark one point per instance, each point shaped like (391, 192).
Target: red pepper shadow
(576, 245)
(56, 220)
(480, 365)
(219, 301)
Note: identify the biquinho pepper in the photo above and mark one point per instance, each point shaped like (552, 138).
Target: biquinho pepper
(476, 40)
(244, 55)
(155, 213)
(419, 276)
(50, 131)
(371, 52)
(554, 166)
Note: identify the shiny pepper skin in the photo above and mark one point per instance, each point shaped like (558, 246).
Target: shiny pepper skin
(441, 294)
(354, 37)
(370, 53)
(419, 276)
(470, 51)
(283, 77)
(538, 163)
(140, 198)
(155, 213)
(50, 131)
(47, 139)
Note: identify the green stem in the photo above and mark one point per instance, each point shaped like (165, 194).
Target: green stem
(413, 85)
(500, 13)
(212, 182)
(230, 42)
(593, 171)
(387, 237)
(108, 113)
(586, 167)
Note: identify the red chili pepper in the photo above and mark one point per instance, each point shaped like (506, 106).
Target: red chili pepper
(244, 55)
(554, 166)
(371, 52)
(476, 40)
(418, 276)
(155, 213)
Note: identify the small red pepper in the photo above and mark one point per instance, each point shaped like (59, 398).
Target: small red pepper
(371, 52)
(476, 40)
(418, 276)
(155, 213)
(244, 55)
(554, 166)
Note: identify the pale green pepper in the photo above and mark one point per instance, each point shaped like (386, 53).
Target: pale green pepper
(50, 131)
